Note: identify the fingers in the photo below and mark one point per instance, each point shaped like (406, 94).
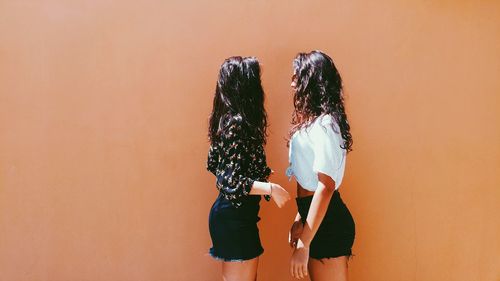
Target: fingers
(287, 196)
(296, 270)
(301, 271)
(280, 195)
(304, 270)
(280, 203)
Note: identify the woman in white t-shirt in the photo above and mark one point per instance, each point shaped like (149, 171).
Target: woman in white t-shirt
(323, 232)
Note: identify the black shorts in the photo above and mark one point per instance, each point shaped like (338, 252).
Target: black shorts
(234, 232)
(335, 235)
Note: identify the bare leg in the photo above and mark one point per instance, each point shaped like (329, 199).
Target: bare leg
(333, 269)
(240, 271)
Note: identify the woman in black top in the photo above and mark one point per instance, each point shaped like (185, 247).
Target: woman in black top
(237, 133)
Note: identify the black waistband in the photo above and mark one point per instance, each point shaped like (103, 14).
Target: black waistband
(308, 199)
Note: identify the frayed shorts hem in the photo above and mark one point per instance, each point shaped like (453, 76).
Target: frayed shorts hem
(223, 259)
(347, 254)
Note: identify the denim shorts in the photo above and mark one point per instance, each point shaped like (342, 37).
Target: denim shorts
(335, 235)
(234, 232)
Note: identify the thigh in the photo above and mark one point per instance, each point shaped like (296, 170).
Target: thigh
(332, 269)
(240, 271)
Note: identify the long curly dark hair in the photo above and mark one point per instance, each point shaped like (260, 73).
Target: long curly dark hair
(318, 91)
(239, 94)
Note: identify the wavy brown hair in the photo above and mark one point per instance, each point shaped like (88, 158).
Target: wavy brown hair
(318, 91)
(239, 94)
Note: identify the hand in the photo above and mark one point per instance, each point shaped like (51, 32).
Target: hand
(279, 195)
(295, 232)
(300, 259)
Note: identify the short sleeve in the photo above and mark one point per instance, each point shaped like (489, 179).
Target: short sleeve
(328, 155)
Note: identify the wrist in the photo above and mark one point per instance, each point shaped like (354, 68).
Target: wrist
(302, 243)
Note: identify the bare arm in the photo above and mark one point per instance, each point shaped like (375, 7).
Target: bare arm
(295, 231)
(278, 193)
(317, 211)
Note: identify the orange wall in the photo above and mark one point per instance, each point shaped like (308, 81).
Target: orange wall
(103, 110)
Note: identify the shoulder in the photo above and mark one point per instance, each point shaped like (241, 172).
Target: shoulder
(327, 119)
(325, 130)
(325, 123)
(320, 126)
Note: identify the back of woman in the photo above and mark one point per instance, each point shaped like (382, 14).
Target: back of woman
(237, 133)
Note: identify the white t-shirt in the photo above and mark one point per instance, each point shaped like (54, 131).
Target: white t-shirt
(317, 149)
